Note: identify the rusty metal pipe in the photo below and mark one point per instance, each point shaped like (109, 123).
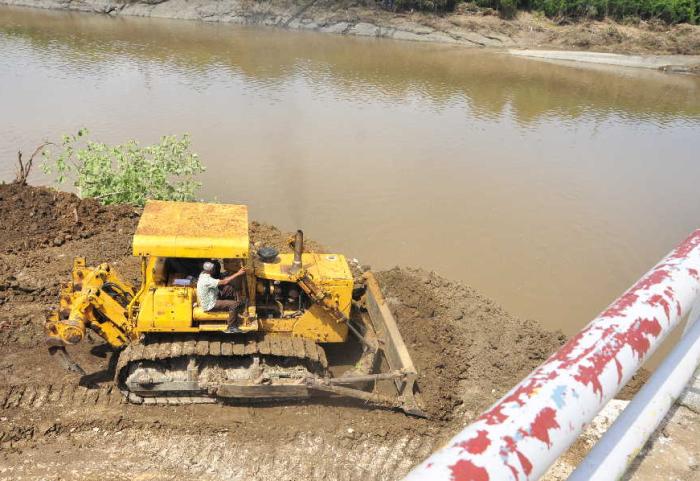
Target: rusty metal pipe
(374, 398)
(298, 250)
(367, 378)
(521, 435)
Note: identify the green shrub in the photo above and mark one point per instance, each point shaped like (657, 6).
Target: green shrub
(508, 8)
(126, 173)
(670, 11)
(425, 5)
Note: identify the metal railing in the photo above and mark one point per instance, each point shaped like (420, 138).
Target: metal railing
(524, 432)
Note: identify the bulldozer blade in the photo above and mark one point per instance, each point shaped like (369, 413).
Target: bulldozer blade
(60, 353)
(393, 347)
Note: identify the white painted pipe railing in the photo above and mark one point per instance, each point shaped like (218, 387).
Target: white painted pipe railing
(521, 435)
(612, 455)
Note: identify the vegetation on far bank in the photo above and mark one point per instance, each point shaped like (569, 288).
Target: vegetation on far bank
(669, 11)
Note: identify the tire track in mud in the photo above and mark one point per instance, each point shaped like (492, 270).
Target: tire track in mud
(33, 396)
(308, 455)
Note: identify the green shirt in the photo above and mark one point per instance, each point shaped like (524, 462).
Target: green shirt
(207, 291)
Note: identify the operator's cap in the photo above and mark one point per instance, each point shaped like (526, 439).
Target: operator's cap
(208, 266)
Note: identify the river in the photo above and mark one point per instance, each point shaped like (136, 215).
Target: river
(550, 188)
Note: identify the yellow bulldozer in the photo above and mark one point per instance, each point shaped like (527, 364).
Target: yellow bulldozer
(293, 308)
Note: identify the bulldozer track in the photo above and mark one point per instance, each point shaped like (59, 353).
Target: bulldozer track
(213, 345)
(37, 396)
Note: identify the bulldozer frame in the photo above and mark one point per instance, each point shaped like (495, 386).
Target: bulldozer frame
(170, 352)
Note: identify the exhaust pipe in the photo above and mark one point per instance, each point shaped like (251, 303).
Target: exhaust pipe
(298, 249)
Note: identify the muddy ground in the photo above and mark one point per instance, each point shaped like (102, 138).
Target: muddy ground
(469, 352)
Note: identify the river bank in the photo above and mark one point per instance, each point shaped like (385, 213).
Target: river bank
(467, 26)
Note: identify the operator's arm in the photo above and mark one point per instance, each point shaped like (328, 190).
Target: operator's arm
(226, 280)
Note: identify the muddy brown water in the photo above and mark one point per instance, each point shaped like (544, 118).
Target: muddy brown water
(549, 188)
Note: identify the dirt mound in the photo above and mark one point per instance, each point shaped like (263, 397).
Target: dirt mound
(468, 350)
(41, 217)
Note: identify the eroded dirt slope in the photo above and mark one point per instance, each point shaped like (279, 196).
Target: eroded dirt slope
(468, 350)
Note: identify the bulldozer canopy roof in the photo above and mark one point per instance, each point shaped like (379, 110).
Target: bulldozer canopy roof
(192, 229)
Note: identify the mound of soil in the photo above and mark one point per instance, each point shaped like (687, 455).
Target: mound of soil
(38, 217)
(468, 350)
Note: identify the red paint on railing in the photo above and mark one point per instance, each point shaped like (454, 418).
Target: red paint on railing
(636, 337)
(511, 446)
(520, 396)
(465, 470)
(687, 246)
(659, 300)
(544, 421)
(618, 308)
(476, 445)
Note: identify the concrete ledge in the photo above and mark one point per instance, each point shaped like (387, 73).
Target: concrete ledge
(675, 63)
(691, 396)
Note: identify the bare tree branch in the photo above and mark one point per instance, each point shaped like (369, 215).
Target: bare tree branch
(24, 169)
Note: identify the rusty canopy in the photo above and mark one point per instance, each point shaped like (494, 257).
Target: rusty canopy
(192, 229)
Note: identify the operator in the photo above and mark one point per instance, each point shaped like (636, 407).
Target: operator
(208, 294)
